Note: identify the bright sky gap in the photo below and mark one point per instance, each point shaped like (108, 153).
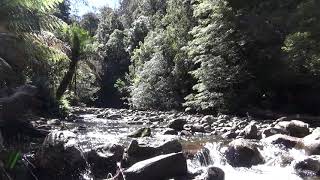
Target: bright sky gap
(80, 8)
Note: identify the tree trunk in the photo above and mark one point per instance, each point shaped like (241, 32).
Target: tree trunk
(67, 79)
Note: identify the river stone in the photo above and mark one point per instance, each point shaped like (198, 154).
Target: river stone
(269, 131)
(137, 152)
(198, 128)
(55, 122)
(212, 173)
(177, 124)
(209, 119)
(295, 128)
(159, 167)
(103, 160)
(243, 153)
(311, 142)
(284, 140)
(143, 132)
(170, 131)
(229, 135)
(60, 155)
(308, 167)
(250, 132)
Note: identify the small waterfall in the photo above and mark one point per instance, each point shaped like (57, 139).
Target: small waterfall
(278, 163)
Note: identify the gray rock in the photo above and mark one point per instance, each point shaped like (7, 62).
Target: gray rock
(229, 135)
(272, 131)
(209, 119)
(143, 132)
(103, 160)
(212, 173)
(177, 124)
(137, 152)
(170, 131)
(198, 128)
(159, 167)
(243, 153)
(295, 128)
(250, 132)
(284, 140)
(60, 155)
(308, 167)
(311, 142)
(55, 122)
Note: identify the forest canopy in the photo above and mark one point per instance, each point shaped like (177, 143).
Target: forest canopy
(205, 56)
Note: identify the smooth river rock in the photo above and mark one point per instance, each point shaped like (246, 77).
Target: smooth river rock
(60, 155)
(158, 168)
(103, 160)
(295, 128)
(243, 153)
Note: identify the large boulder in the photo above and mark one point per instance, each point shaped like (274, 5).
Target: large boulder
(311, 142)
(103, 160)
(250, 132)
(159, 167)
(143, 132)
(212, 173)
(308, 167)
(243, 153)
(60, 155)
(294, 128)
(177, 124)
(269, 131)
(138, 152)
(282, 140)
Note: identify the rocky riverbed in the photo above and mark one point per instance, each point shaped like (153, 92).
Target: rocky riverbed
(127, 144)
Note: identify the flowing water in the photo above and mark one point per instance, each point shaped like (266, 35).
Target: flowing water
(278, 163)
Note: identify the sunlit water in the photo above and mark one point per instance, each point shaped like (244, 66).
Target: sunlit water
(278, 165)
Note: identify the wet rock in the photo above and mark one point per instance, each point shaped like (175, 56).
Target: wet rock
(272, 131)
(309, 167)
(284, 140)
(60, 155)
(137, 152)
(170, 131)
(209, 119)
(311, 142)
(159, 167)
(243, 153)
(229, 135)
(212, 173)
(295, 128)
(143, 132)
(55, 122)
(185, 133)
(114, 116)
(103, 160)
(250, 132)
(177, 124)
(198, 128)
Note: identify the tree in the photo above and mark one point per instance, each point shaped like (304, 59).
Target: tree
(215, 50)
(90, 22)
(22, 25)
(64, 11)
(151, 74)
(116, 62)
(109, 21)
(80, 42)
